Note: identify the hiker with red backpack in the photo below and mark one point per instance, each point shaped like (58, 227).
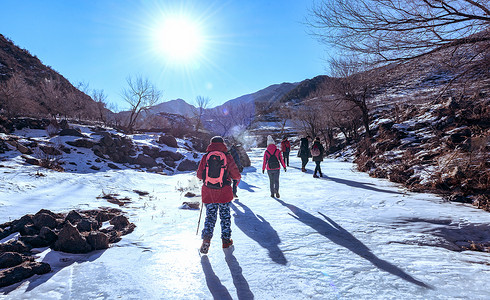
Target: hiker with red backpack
(273, 161)
(217, 169)
(317, 152)
(285, 149)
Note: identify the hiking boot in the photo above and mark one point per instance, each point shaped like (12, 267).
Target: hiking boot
(227, 243)
(315, 176)
(303, 170)
(272, 195)
(321, 174)
(205, 246)
(277, 195)
(235, 196)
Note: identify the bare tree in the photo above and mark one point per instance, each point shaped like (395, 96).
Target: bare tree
(52, 97)
(354, 84)
(202, 103)
(394, 30)
(141, 94)
(100, 99)
(13, 95)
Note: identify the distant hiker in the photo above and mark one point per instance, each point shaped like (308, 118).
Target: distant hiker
(304, 152)
(217, 169)
(317, 152)
(236, 157)
(273, 161)
(285, 149)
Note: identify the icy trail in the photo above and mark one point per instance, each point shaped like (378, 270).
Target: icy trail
(344, 236)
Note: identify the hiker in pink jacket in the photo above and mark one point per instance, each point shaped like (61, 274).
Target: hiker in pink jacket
(273, 161)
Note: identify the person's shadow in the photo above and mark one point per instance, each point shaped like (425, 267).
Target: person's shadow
(360, 185)
(217, 289)
(242, 288)
(258, 229)
(342, 237)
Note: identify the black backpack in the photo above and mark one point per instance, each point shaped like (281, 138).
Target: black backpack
(273, 162)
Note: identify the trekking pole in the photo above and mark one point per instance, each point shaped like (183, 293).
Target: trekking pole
(199, 222)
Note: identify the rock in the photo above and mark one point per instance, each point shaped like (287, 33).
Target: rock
(29, 229)
(23, 149)
(119, 222)
(189, 195)
(49, 150)
(87, 225)
(31, 161)
(190, 205)
(113, 166)
(17, 274)
(169, 155)
(104, 216)
(48, 234)
(98, 240)
(14, 246)
(70, 240)
(168, 140)
(43, 219)
(18, 225)
(73, 216)
(35, 241)
(82, 143)
(71, 132)
(64, 124)
(145, 161)
(187, 165)
(95, 168)
(10, 259)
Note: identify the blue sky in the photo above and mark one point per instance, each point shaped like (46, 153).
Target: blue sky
(245, 45)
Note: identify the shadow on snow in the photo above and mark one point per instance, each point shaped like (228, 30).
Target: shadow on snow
(258, 229)
(217, 289)
(342, 237)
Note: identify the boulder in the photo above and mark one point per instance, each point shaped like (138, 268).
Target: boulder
(23, 149)
(119, 222)
(18, 225)
(73, 216)
(71, 132)
(17, 274)
(29, 229)
(168, 140)
(35, 241)
(98, 240)
(14, 246)
(188, 165)
(50, 150)
(87, 225)
(48, 234)
(10, 259)
(113, 166)
(31, 161)
(82, 143)
(43, 219)
(70, 240)
(145, 161)
(169, 155)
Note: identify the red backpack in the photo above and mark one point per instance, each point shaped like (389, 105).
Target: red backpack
(315, 150)
(215, 170)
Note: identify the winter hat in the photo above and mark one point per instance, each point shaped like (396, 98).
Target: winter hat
(217, 139)
(270, 140)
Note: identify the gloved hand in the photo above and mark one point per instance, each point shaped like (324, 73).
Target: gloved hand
(263, 171)
(285, 170)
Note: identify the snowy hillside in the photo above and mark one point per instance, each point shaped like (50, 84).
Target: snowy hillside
(344, 236)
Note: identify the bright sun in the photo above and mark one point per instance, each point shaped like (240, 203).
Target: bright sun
(179, 39)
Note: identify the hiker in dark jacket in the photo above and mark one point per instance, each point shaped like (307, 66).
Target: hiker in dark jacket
(236, 158)
(304, 152)
(273, 171)
(317, 158)
(285, 149)
(217, 198)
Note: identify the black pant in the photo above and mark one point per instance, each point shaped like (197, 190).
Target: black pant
(286, 158)
(304, 161)
(317, 167)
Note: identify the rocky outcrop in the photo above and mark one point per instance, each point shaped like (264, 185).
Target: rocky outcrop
(116, 148)
(72, 232)
(71, 132)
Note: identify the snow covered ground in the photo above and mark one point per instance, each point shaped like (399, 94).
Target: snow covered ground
(344, 236)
